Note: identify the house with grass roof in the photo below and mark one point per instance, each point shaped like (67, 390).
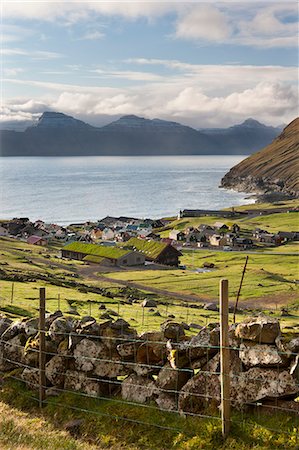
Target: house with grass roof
(99, 254)
(158, 252)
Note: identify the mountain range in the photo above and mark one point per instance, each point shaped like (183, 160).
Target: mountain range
(57, 134)
(273, 169)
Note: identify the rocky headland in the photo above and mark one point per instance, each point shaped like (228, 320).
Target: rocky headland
(273, 171)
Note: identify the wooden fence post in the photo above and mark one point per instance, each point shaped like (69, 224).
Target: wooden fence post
(42, 346)
(12, 292)
(224, 359)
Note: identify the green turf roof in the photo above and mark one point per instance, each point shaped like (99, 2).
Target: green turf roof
(97, 250)
(151, 249)
(93, 258)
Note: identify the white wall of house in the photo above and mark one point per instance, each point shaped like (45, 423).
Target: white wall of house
(3, 231)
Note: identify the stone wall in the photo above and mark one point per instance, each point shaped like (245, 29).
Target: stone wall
(166, 367)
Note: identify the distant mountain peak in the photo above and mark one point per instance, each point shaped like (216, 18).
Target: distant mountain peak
(131, 117)
(52, 119)
(252, 123)
(131, 122)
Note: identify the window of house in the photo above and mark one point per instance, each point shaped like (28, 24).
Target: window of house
(125, 261)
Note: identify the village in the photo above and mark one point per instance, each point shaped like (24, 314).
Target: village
(123, 242)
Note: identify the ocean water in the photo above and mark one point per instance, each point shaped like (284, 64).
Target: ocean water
(66, 190)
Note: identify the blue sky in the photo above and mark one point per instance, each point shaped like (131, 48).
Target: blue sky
(202, 64)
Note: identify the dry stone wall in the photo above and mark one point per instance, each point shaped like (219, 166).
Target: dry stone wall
(176, 371)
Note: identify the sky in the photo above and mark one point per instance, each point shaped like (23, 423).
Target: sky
(203, 64)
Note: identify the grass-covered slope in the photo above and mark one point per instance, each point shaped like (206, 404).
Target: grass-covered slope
(274, 168)
(113, 425)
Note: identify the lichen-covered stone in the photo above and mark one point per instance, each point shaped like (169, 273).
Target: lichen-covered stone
(31, 327)
(5, 322)
(138, 389)
(166, 402)
(12, 353)
(55, 370)
(110, 366)
(199, 392)
(261, 355)
(60, 328)
(87, 353)
(12, 330)
(30, 376)
(79, 381)
(293, 346)
(235, 364)
(258, 383)
(204, 344)
(151, 351)
(170, 379)
(172, 330)
(128, 350)
(261, 329)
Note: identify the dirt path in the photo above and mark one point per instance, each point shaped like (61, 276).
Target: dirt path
(90, 272)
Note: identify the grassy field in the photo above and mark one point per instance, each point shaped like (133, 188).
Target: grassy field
(109, 424)
(272, 222)
(287, 204)
(266, 275)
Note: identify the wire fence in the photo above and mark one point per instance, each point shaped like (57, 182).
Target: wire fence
(200, 372)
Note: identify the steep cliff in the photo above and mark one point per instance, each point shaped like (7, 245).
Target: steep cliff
(273, 169)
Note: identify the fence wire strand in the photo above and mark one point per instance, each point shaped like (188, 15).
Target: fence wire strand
(207, 366)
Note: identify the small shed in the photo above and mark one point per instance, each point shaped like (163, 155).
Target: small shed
(177, 235)
(36, 240)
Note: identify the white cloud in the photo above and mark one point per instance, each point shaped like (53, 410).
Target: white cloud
(203, 23)
(269, 28)
(128, 75)
(270, 102)
(93, 36)
(251, 24)
(232, 76)
(12, 71)
(243, 23)
(37, 55)
(80, 10)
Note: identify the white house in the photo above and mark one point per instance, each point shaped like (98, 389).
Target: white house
(108, 234)
(3, 231)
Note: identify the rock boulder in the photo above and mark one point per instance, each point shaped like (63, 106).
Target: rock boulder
(261, 329)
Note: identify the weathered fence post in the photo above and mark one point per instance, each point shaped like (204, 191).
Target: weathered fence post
(42, 346)
(224, 359)
(12, 292)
